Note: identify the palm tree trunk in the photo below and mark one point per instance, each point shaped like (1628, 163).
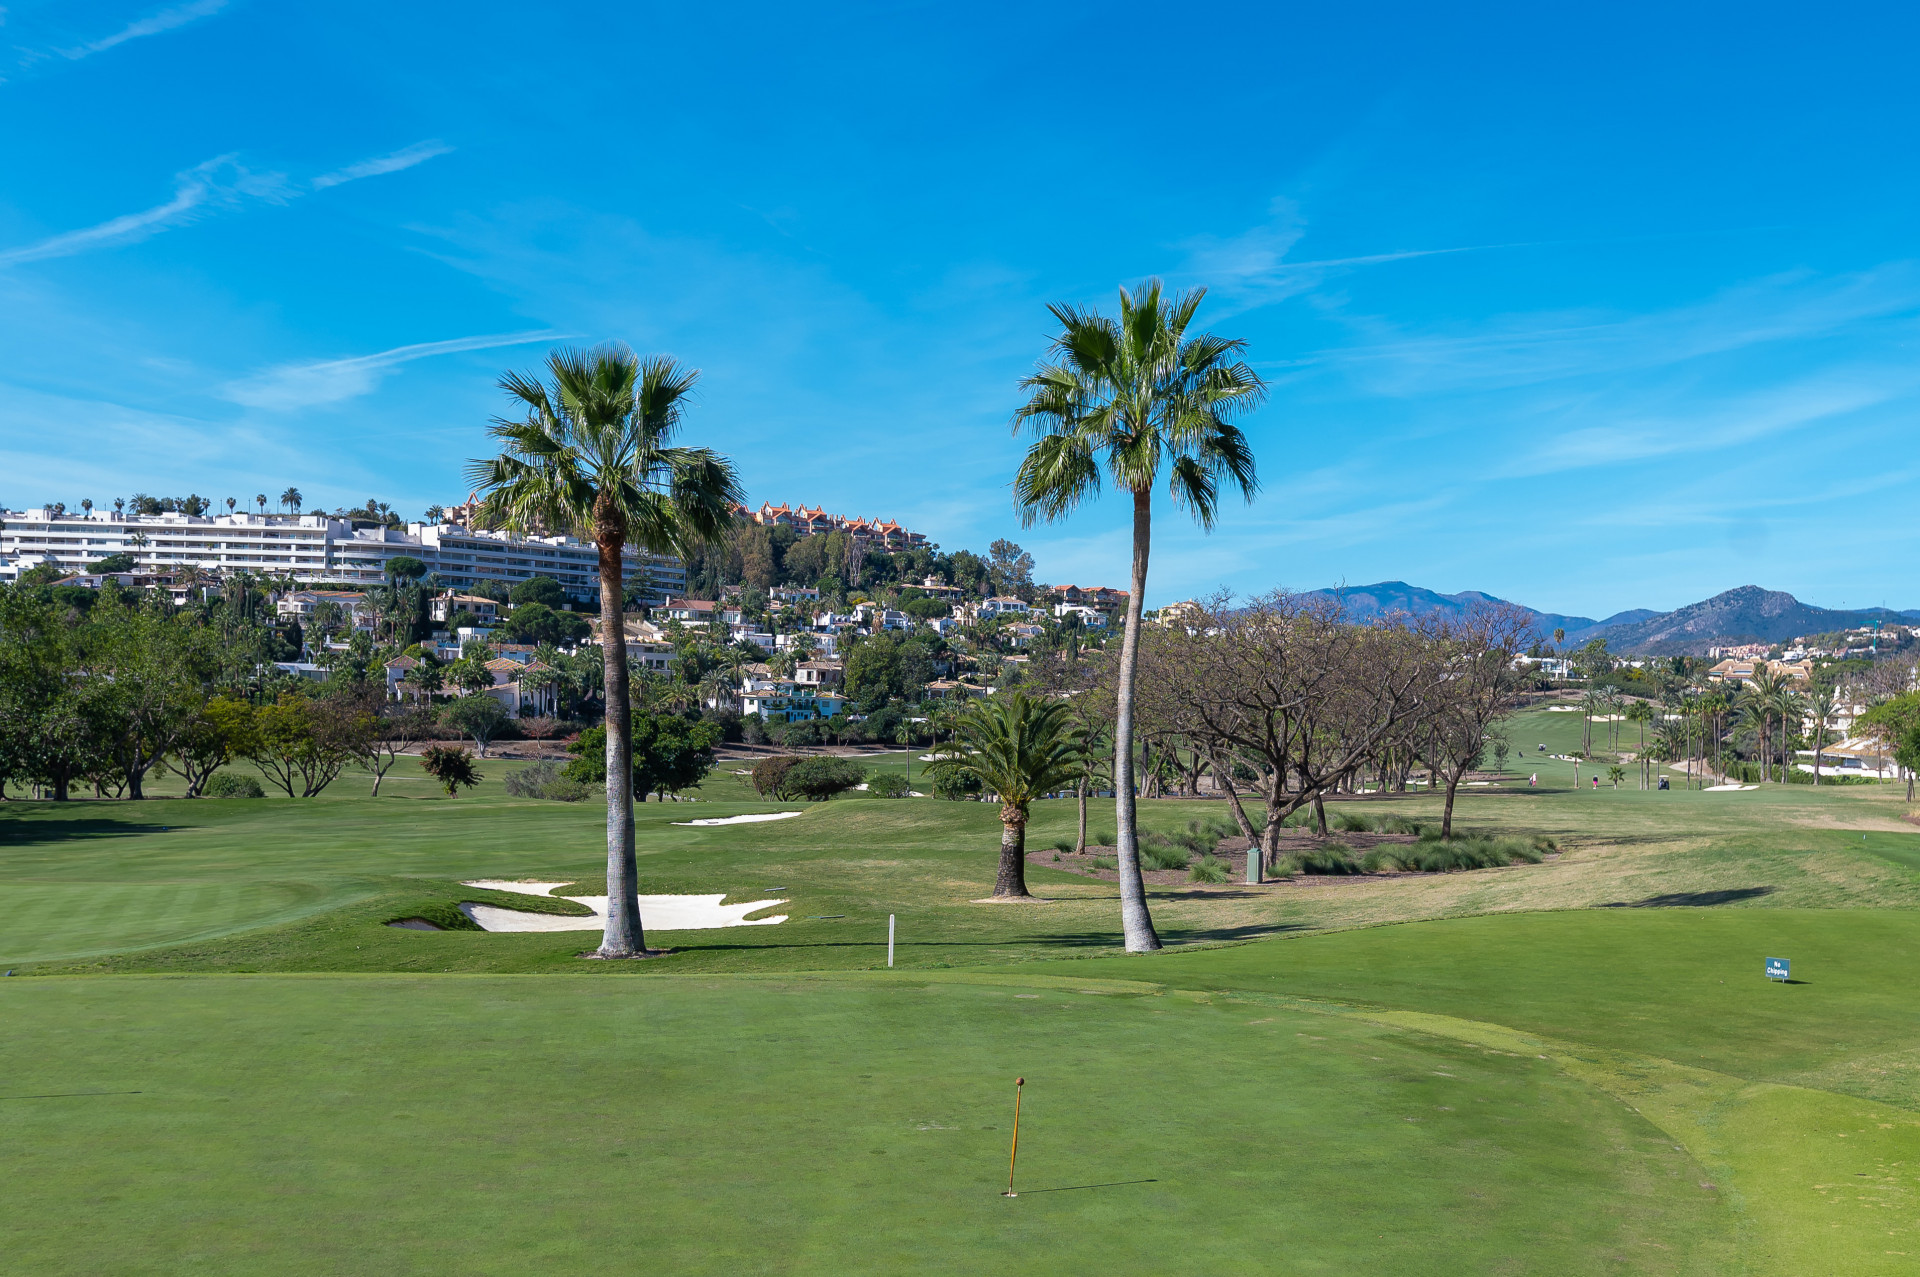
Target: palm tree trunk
(1080, 842)
(624, 937)
(1136, 923)
(1012, 880)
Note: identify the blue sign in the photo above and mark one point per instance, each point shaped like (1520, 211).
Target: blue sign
(1777, 968)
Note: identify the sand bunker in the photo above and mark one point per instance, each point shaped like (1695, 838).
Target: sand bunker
(745, 820)
(660, 913)
(1723, 789)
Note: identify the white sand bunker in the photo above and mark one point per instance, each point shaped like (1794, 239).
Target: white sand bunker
(745, 820)
(1724, 789)
(660, 913)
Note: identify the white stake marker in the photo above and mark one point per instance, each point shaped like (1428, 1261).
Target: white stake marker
(889, 940)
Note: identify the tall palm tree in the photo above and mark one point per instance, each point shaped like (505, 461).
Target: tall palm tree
(291, 499)
(1820, 706)
(1762, 693)
(593, 454)
(1122, 397)
(1019, 748)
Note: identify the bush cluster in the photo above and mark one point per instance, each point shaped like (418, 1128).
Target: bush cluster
(231, 785)
(545, 779)
(888, 784)
(815, 778)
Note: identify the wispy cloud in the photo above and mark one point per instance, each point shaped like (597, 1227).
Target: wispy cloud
(1252, 268)
(221, 182)
(404, 158)
(1624, 436)
(165, 20)
(1532, 349)
(215, 182)
(293, 386)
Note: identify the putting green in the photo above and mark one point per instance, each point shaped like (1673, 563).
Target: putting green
(345, 1125)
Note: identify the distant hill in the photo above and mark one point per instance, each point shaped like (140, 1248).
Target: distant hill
(1365, 602)
(1748, 614)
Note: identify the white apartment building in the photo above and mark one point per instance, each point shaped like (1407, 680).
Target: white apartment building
(310, 547)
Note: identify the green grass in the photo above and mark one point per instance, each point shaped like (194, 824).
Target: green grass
(1573, 1066)
(368, 1125)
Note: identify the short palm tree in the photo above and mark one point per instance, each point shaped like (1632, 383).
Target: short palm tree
(424, 679)
(1123, 399)
(1019, 748)
(593, 454)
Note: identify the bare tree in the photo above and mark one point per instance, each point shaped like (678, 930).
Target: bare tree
(1477, 688)
(1283, 685)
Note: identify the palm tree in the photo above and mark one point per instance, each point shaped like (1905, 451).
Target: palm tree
(1820, 706)
(1759, 705)
(1018, 748)
(1127, 395)
(425, 678)
(261, 497)
(291, 499)
(1594, 702)
(593, 455)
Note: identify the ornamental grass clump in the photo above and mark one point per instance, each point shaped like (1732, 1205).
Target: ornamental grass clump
(1208, 869)
(1328, 858)
(1434, 855)
(1157, 851)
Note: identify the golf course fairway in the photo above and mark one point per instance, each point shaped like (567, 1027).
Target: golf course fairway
(376, 1124)
(218, 1058)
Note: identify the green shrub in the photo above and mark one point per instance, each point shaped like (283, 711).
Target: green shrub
(1209, 869)
(953, 784)
(545, 779)
(1398, 825)
(819, 778)
(1105, 838)
(888, 784)
(770, 775)
(1352, 823)
(1106, 862)
(231, 785)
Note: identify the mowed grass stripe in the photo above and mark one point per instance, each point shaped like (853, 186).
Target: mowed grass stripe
(48, 921)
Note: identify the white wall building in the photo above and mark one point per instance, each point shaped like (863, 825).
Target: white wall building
(310, 547)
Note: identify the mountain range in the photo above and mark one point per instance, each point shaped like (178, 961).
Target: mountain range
(1748, 614)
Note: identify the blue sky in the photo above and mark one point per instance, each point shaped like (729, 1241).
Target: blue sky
(1592, 309)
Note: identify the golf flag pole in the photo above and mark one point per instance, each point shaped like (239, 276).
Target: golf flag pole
(1015, 1156)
